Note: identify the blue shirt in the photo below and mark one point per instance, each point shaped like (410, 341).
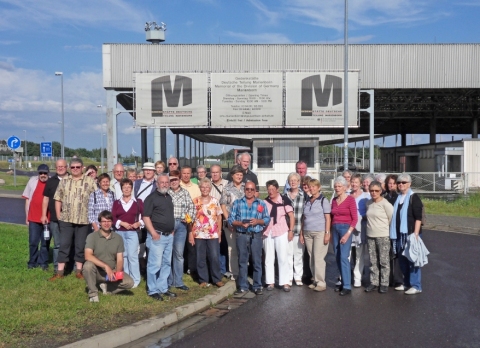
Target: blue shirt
(241, 211)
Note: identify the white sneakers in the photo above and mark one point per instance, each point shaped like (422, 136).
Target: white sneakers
(357, 283)
(400, 288)
(412, 291)
(103, 287)
(94, 299)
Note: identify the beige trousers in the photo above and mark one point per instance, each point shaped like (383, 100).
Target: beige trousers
(317, 251)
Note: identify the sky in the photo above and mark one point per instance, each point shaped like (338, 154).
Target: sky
(39, 38)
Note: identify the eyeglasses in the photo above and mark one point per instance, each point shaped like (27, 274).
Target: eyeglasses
(374, 190)
(60, 167)
(42, 173)
(75, 167)
(172, 164)
(402, 182)
(106, 221)
(174, 179)
(202, 172)
(249, 189)
(119, 171)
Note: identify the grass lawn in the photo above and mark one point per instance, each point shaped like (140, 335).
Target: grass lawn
(21, 182)
(465, 206)
(37, 313)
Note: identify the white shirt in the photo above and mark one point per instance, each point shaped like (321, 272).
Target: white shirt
(146, 192)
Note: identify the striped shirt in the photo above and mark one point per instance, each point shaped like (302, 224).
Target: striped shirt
(345, 213)
(182, 204)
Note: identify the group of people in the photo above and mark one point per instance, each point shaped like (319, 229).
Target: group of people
(166, 223)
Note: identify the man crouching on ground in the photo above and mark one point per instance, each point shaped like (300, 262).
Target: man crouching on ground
(104, 260)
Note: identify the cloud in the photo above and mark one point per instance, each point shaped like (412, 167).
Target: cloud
(130, 130)
(6, 66)
(262, 38)
(8, 42)
(28, 14)
(351, 40)
(271, 16)
(85, 48)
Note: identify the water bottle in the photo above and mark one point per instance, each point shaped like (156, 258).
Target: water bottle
(46, 232)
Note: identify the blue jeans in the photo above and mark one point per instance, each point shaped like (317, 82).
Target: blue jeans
(176, 276)
(249, 244)
(131, 266)
(207, 248)
(55, 234)
(159, 263)
(412, 276)
(38, 258)
(342, 251)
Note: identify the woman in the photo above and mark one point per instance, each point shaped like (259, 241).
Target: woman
(131, 174)
(232, 191)
(276, 237)
(305, 187)
(127, 218)
(159, 167)
(379, 216)
(407, 219)
(100, 200)
(391, 189)
(315, 233)
(344, 219)
(359, 238)
(206, 234)
(367, 180)
(296, 247)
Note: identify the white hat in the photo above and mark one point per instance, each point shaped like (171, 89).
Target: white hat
(149, 166)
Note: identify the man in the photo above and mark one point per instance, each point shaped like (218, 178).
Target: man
(218, 183)
(33, 195)
(201, 173)
(187, 184)
(182, 205)
(118, 172)
(300, 169)
(159, 219)
(248, 175)
(48, 206)
(159, 167)
(71, 206)
(172, 164)
(143, 187)
(104, 259)
(249, 216)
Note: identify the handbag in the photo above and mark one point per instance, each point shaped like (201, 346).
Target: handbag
(141, 232)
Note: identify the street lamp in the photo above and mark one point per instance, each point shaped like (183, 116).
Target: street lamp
(101, 139)
(25, 151)
(59, 73)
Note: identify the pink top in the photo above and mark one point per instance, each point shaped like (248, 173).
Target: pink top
(345, 213)
(281, 226)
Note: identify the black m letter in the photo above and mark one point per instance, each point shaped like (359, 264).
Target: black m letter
(172, 95)
(321, 95)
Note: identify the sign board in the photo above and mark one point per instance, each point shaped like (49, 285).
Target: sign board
(46, 149)
(246, 99)
(171, 99)
(13, 142)
(317, 99)
(11, 160)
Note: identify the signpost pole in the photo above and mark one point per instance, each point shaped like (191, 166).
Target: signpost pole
(14, 168)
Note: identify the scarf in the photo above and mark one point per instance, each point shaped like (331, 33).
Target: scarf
(273, 211)
(400, 244)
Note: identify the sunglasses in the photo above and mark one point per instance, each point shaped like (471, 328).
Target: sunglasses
(374, 190)
(174, 179)
(402, 182)
(172, 164)
(76, 167)
(249, 189)
(43, 173)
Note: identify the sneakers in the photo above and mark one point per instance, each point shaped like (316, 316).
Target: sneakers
(319, 288)
(298, 282)
(357, 283)
(103, 287)
(240, 292)
(400, 288)
(338, 283)
(55, 277)
(312, 286)
(412, 291)
(94, 299)
(258, 291)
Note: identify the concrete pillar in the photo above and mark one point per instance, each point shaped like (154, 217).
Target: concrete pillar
(112, 146)
(156, 144)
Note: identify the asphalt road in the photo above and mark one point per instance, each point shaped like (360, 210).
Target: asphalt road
(446, 314)
(12, 210)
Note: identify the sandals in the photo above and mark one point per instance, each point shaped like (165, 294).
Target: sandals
(270, 287)
(286, 288)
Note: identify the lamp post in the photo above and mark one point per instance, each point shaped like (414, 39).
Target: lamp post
(25, 151)
(59, 73)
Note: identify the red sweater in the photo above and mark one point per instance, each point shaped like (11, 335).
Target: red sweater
(127, 216)
(345, 213)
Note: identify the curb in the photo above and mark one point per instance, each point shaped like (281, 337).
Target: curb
(135, 331)
(10, 195)
(453, 229)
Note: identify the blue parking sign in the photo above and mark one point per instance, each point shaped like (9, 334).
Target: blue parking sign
(46, 149)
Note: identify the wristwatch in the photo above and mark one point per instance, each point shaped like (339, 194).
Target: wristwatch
(327, 232)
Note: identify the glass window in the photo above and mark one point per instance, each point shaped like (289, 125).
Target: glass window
(307, 154)
(265, 157)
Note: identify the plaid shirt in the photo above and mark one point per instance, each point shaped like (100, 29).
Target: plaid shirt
(97, 203)
(298, 204)
(182, 203)
(230, 194)
(241, 211)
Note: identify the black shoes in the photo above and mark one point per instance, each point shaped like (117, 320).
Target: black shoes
(371, 288)
(258, 291)
(345, 292)
(157, 297)
(240, 292)
(383, 289)
(183, 287)
(338, 288)
(169, 294)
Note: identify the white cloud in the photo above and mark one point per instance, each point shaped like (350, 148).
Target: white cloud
(261, 38)
(271, 16)
(130, 130)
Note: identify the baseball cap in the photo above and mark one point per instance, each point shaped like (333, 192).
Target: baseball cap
(43, 168)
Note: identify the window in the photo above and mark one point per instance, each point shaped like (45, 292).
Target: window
(307, 154)
(265, 157)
